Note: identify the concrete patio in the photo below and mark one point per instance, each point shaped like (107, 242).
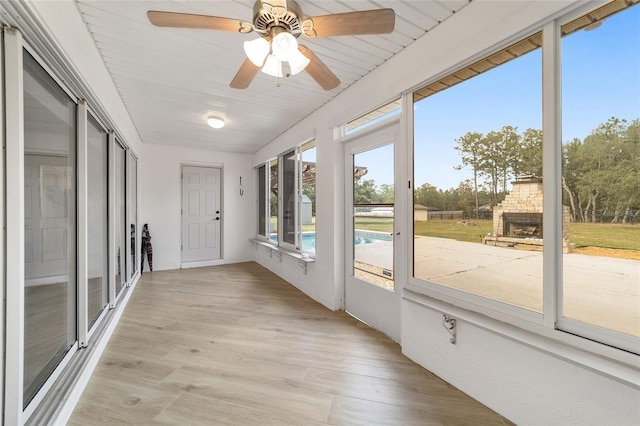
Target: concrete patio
(598, 290)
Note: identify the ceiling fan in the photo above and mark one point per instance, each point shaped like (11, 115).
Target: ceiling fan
(279, 23)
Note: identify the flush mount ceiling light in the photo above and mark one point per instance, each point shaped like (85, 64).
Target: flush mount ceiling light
(279, 23)
(215, 122)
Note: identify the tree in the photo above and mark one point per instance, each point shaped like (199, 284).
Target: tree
(511, 154)
(601, 174)
(365, 192)
(428, 196)
(386, 194)
(529, 158)
(469, 148)
(493, 161)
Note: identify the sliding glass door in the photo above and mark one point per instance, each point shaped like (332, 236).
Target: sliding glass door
(97, 261)
(50, 310)
(120, 217)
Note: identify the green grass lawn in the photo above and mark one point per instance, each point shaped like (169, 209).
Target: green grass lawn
(384, 224)
(616, 236)
(451, 229)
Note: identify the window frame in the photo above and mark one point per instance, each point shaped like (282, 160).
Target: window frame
(262, 200)
(93, 323)
(595, 333)
(296, 152)
(295, 245)
(549, 322)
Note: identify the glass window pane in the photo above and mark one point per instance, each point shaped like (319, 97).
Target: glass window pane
(478, 197)
(133, 220)
(376, 116)
(98, 281)
(600, 178)
(273, 201)
(262, 194)
(120, 218)
(308, 204)
(50, 224)
(289, 197)
(373, 216)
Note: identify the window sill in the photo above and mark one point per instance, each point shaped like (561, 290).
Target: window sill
(303, 258)
(614, 363)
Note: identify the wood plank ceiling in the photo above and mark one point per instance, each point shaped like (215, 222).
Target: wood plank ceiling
(172, 79)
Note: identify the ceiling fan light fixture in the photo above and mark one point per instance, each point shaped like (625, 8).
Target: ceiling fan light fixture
(272, 66)
(215, 122)
(257, 50)
(284, 46)
(298, 62)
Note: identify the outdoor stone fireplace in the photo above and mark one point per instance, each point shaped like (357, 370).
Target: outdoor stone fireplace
(517, 221)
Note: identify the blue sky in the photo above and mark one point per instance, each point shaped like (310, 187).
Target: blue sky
(601, 79)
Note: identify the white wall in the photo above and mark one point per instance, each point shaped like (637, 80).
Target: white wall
(323, 275)
(159, 195)
(525, 384)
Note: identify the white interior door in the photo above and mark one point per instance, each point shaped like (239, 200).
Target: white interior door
(201, 214)
(370, 291)
(47, 183)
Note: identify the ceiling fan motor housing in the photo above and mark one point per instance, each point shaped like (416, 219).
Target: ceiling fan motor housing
(271, 20)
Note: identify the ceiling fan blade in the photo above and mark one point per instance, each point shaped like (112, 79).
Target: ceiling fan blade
(188, 20)
(245, 75)
(379, 21)
(319, 71)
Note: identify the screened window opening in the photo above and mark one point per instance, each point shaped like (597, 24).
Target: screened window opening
(287, 207)
(478, 194)
(308, 199)
(274, 177)
(600, 173)
(262, 200)
(289, 197)
(379, 114)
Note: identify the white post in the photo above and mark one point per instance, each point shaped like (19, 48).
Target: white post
(83, 226)
(112, 220)
(2, 233)
(14, 131)
(552, 174)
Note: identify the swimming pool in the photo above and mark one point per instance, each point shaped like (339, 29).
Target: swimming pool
(360, 237)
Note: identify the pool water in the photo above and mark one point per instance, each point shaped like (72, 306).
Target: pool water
(360, 237)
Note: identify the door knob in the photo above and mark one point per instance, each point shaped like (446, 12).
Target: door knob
(217, 218)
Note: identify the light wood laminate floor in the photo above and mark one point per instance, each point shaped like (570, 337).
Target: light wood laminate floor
(237, 345)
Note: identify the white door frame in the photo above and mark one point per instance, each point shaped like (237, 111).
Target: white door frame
(374, 305)
(220, 261)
